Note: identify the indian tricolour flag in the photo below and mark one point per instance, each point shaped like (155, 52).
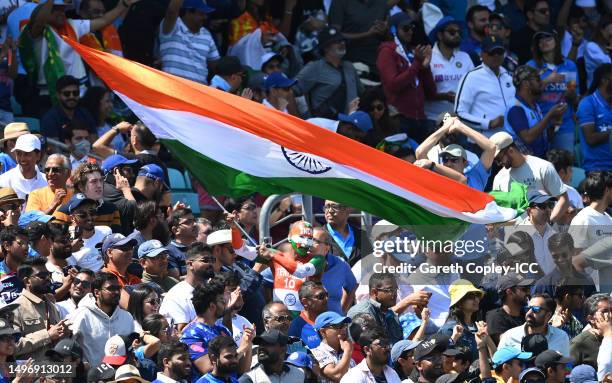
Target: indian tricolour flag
(235, 146)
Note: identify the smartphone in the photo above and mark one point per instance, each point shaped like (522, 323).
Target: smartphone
(75, 232)
(267, 241)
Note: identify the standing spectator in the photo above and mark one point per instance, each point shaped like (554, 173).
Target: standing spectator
(346, 241)
(595, 120)
(477, 19)
(10, 207)
(82, 211)
(224, 359)
(149, 223)
(174, 363)
(14, 242)
(59, 260)
(271, 356)
(184, 232)
(406, 76)
(107, 39)
(539, 312)
(155, 269)
(117, 255)
(54, 122)
(119, 188)
(560, 83)
(584, 348)
(79, 288)
(178, 305)
(314, 300)
(25, 177)
(231, 281)
(539, 175)
(597, 51)
(186, 48)
(49, 198)
(531, 130)
(563, 162)
(98, 102)
(330, 83)
(362, 25)
(513, 290)
(37, 318)
(279, 94)
(334, 353)
(229, 74)
(448, 66)
(8, 73)
(485, 93)
(94, 321)
(537, 13)
(377, 349)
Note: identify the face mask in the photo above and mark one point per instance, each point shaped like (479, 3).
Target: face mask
(82, 149)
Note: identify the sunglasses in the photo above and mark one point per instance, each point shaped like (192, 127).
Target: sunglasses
(84, 284)
(320, 296)
(42, 275)
(283, 318)
(154, 301)
(451, 159)
(68, 93)
(249, 207)
(333, 207)
(543, 205)
(337, 326)
(54, 169)
(535, 309)
(112, 289)
(388, 290)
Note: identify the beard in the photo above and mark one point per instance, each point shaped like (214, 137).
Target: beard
(452, 44)
(226, 369)
(433, 373)
(179, 372)
(61, 253)
(205, 274)
(42, 289)
(266, 357)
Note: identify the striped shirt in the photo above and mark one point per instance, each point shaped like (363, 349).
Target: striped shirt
(185, 54)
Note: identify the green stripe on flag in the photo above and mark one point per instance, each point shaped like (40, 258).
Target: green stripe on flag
(219, 179)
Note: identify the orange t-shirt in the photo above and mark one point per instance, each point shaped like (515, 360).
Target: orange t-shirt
(41, 199)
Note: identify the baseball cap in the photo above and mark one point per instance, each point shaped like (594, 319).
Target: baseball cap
(268, 56)
(491, 43)
(116, 240)
(361, 120)
(530, 370)
(278, 80)
(506, 354)
(538, 197)
(541, 34)
(115, 160)
(455, 151)
(300, 359)
(104, 372)
(229, 65)
(442, 23)
(328, 36)
(550, 357)
(219, 237)
(33, 216)
(199, 5)
(455, 352)
(27, 143)
(153, 172)
(512, 280)
(522, 73)
(117, 348)
(400, 19)
(437, 342)
(5, 327)
(271, 337)
(77, 200)
(150, 249)
(447, 378)
(583, 373)
(501, 17)
(65, 347)
(501, 140)
(329, 318)
(399, 347)
(534, 343)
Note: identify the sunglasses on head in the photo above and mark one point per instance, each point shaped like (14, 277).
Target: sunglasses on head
(68, 93)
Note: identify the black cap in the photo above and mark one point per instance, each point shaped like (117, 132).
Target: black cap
(328, 36)
(545, 32)
(513, 280)
(457, 353)
(271, 337)
(104, 372)
(229, 65)
(447, 378)
(501, 17)
(400, 19)
(534, 343)
(437, 342)
(491, 43)
(550, 357)
(66, 347)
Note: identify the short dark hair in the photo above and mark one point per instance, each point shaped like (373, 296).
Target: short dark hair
(376, 280)
(169, 349)
(530, 5)
(145, 210)
(560, 240)
(219, 343)
(36, 230)
(229, 278)
(232, 204)
(370, 334)
(596, 184)
(549, 303)
(153, 323)
(101, 278)
(177, 215)
(560, 158)
(75, 124)
(27, 267)
(307, 287)
(567, 285)
(88, 272)
(64, 82)
(10, 234)
(57, 230)
(590, 304)
(266, 313)
(144, 135)
(197, 248)
(472, 11)
(206, 295)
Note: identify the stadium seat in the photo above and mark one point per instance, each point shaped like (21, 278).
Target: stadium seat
(177, 181)
(189, 199)
(16, 107)
(33, 123)
(188, 180)
(577, 176)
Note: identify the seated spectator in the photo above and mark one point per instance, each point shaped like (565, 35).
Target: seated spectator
(187, 48)
(569, 298)
(93, 321)
(53, 123)
(402, 358)
(513, 290)
(563, 162)
(51, 197)
(276, 316)
(540, 310)
(39, 237)
(14, 245)
(585, 346)
(428, 358)
(313, 297)
(553, 363)
(499, 26)
(59, 260)
(477, 20)
(117, 254)
(377, 349)
(26, 177)
(334, 353)
(119, 350)
(11, 132)
(76, 137)
(82, 212)
(229, 74)
(279, 95)
(119, 178)
(184, 231)
(537, 14)
(173, 361)
(507, 363)
(271, 353)
(80, 287)
(595, 118)
(10, 207)
(155, 265)
(531, 129)
(8, 73)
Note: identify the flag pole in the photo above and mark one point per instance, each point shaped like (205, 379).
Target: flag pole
(235, 221)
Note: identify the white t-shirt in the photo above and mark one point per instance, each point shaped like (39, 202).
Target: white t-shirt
(536, 173)
(177, 305)
(23, 186)
(239, 323)
(590, 226)
(566, 45)
(88, 257)
(446, 75)
(574, 197)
